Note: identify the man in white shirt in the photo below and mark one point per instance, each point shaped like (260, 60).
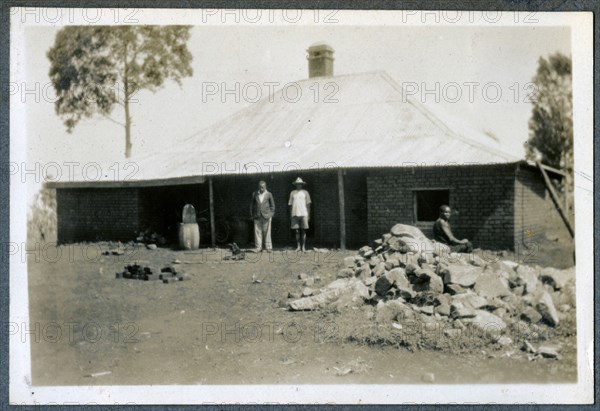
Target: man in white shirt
(300, 212)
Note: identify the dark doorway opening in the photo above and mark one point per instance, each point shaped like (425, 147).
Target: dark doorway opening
(428, 203)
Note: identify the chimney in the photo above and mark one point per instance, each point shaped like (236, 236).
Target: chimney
(320, 60)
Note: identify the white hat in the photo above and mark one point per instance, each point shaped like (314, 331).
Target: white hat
(299, 181)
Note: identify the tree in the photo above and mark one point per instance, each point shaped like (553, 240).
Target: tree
(88, 63)
(551, 123)
(41, 220)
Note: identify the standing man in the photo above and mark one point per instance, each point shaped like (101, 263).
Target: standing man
(300, 213)
(443, 234)
(262, 210)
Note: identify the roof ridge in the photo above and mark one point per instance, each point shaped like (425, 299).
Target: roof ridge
(429, 114)
(263, 101)
(364, 73)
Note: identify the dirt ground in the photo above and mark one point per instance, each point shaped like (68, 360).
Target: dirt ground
(228, 325)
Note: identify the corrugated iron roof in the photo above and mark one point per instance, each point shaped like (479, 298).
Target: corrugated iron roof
(363, 120)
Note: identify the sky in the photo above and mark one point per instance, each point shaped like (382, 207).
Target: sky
(477, 74)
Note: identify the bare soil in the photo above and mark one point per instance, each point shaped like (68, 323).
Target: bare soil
(229, 325)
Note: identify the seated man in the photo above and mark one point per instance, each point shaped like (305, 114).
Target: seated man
(443, 234)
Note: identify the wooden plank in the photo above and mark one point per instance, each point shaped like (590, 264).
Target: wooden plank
(553, 170)
(565, 194)
(213, 239)
(556, 199)
(342, 210)
(126, 183)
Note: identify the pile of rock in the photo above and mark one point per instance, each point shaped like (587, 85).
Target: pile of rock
(407, 276)
(166, 274)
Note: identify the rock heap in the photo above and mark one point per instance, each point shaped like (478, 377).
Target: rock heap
(404, 275)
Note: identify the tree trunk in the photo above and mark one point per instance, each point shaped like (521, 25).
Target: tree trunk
(127, 126)
(126, 104)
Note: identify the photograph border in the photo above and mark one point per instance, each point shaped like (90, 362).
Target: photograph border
(5, 200)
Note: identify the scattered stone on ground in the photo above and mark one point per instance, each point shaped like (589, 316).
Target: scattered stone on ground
(527, 277)
(527, 347)
(428, 377)
(491, 284)
(548, 352)
(237, 254)
(545, 307)
(403, 276)
(543, 351)
(557, 278)
(504, 340)
(166, 274)
(487, 322)
(307, 292)
(460, 274)
(531, 315)
(150, 237)
(114, 251)
(309, 282)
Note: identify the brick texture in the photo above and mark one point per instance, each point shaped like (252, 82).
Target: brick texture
(482, 196)
(535, 212)
(95, 214)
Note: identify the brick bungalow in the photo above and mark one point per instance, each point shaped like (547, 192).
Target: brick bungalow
(372, 156)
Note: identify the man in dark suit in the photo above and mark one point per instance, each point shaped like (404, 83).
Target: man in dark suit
(262, 210)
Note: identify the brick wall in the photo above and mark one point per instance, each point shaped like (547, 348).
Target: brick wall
(94, 214)
(482, 197)
(535, 212)
(119, 214)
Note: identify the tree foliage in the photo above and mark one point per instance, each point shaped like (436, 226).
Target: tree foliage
(95, 68)
(551, 123)
(42, 220)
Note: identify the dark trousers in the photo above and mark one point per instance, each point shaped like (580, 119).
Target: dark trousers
(462, 248)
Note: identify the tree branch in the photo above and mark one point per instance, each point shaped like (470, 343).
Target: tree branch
(114, 121)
